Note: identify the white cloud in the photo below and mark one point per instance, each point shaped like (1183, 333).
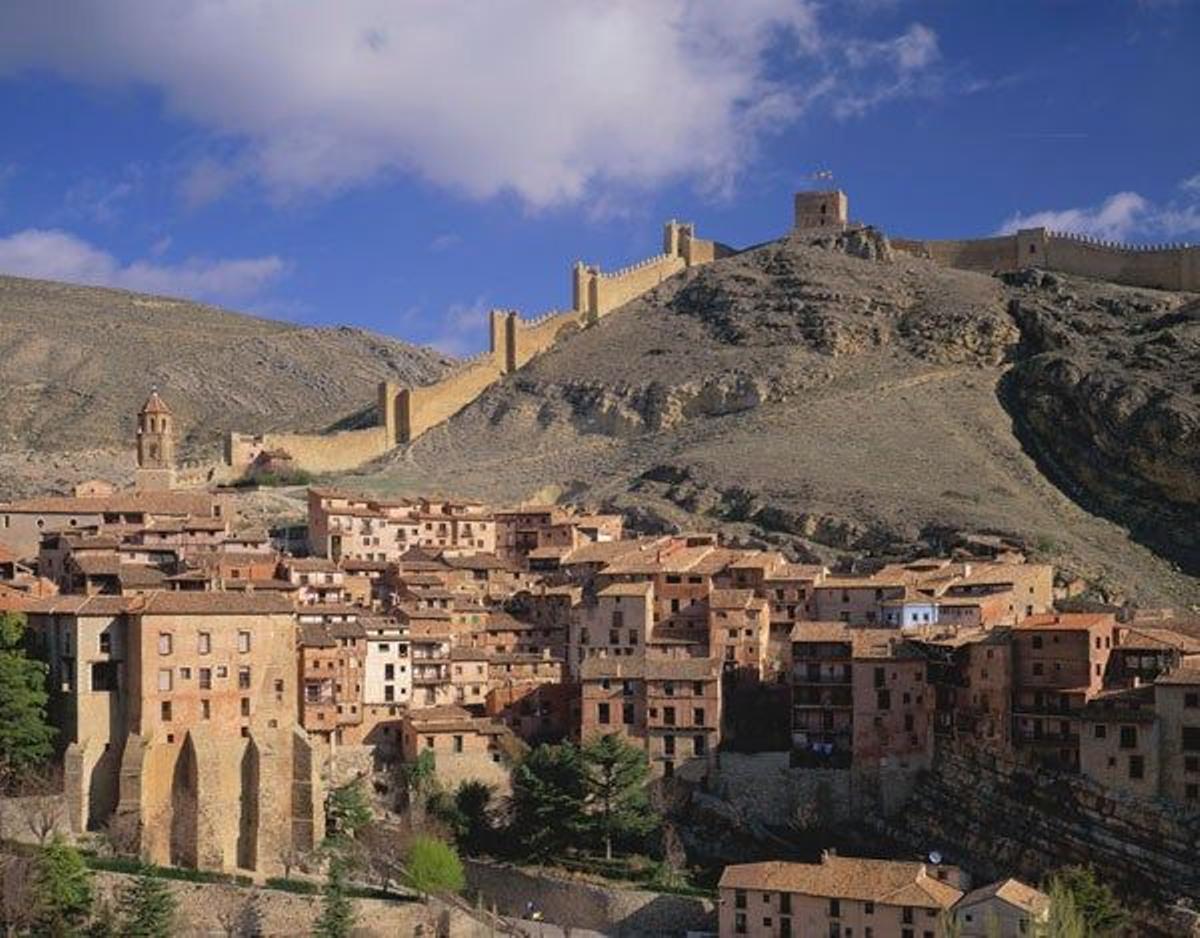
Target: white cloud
(1118, 217)
(553, 101)
(1122, 216)
(462, 331)
(1191, 184)
(59, 255)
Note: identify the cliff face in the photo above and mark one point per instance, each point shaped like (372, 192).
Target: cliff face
(839, 400)
(1106, 393)
(996, 819)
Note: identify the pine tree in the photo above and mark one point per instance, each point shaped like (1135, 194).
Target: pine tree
(548, 799)
(337, 908)
(349, 809)
(25, 737)
(147, 908)
(62, 890)
(615, 775)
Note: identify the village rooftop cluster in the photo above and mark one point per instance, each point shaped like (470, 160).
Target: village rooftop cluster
(206, 682)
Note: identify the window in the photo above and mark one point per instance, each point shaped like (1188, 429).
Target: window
(458, 744)
(205, 708)
(1038, 668)
(699, 745)
(906, 915)
(739, 898)
(1129, 737)
(868, 908)
(698, 716)
(883, 699)
(243, 678)
(1100, 731)
(104, 676)
(164, 679)
(1191, 700)
(1037, 641)
(627, 716)
(389, 672)
(1191, 791)
(222, 671)
(243, 642)
(1191, 738)
(164, 643)
(602, 713)
(204, 643)
(389, 693)
(206, 678)
(835, 908)
(739, 923)
(105, 643)
(1137, 767)
(165, 711)
(668, 745)
(669, 716)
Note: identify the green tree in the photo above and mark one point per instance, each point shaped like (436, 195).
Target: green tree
(26, 739)
(615, 774)
(1065, 920)
(471, 802)
(349, 809)
(104, 922)
(337, 908)
(62, 890)
(147, 908)
(548, 799)
(432, 866)
(1102, 914)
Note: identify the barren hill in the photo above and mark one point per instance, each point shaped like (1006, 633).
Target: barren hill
(79, 361)
(834, 399)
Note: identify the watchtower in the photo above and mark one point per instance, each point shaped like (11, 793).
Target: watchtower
(829, 209)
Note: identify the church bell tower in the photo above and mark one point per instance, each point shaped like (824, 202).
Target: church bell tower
(155, 445)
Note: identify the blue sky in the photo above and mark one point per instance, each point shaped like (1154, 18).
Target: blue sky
(405, 166)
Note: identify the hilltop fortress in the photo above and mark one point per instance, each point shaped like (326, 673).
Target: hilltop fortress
(404, 413)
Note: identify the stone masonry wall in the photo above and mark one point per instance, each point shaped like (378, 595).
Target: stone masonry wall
(1164, 267)
(581, 903)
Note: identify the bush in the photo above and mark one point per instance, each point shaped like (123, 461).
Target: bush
(299, 886)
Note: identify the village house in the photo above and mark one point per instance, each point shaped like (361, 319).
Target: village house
(332, 666)
(1008, 908)
(738, 633)
(837, 896)
(617, 624)
(669, 708)
(1177, 705)
(970, 674)
(1059, 661)
(464, 747)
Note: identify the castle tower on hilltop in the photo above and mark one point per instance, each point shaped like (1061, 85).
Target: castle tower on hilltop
(155, 445)
(830, 209)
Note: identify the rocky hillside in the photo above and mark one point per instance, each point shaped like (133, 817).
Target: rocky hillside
(842, 402)
(79, 361)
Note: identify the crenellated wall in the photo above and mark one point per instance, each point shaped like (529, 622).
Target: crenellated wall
(406, 413)
(1164, 267)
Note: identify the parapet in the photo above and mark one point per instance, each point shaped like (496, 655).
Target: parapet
(824, 209)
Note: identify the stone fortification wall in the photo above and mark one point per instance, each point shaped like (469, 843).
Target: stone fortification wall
(406, 413)
(314, 452)
(1164, 267)
(418, 409)
(581, 903)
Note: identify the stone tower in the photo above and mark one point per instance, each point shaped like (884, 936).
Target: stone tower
(822, 209)
(155, 445)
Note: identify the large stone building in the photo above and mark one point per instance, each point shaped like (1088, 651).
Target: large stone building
(179, 711)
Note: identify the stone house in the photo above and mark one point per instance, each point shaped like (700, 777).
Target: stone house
(1059, 662)
(670, 708)
(465, 747)
(180, 715)
(837, 896)
(893, 703)
(387, 662)
(1177, 703)
(332, 667)
(1119, 740)
(738, 632)
(616, 625)
(1005, 909)
(970, 673)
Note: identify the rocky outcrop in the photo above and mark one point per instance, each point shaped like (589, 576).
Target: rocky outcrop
(998, 819)
(1106, 396)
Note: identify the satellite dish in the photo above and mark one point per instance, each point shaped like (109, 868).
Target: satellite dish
(935, 857)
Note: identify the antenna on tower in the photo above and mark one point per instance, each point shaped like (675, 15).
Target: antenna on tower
(822, 175)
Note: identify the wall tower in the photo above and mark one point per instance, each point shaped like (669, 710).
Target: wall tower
(830, 209)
